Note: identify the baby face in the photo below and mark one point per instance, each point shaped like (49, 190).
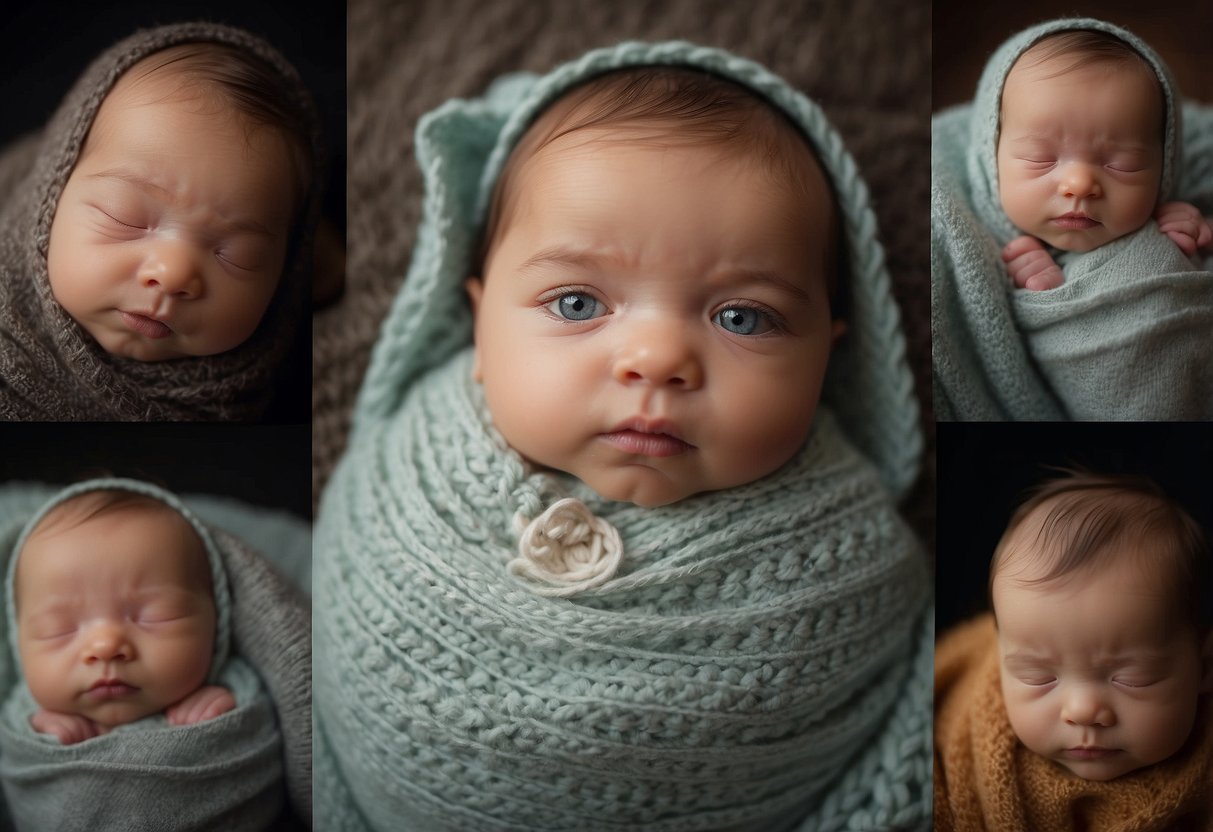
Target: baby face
(1095, 675)
(170, 236)
(655, 320)
(1079, 154)
(115, 618)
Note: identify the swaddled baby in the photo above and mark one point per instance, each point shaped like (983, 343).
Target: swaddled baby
(597, 547)
(152, 256)
(119, 627)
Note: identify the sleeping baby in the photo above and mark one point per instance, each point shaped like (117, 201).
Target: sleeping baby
(119, 625)
(115, 617)
(600, 555)
(170, 206)
(1062, 175)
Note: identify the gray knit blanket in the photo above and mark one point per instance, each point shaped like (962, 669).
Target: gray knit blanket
(759, 658)
(50, 367)
(237, 771)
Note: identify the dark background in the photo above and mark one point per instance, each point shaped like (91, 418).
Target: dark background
(964, 34)
(262, 465)
(984, 468)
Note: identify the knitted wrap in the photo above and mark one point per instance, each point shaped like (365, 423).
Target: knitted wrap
(223, 772)
(50, 367)
(985, 779)
(987, 108)
(760, 654)
(461, 147)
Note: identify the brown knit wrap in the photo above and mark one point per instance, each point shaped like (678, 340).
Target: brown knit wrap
(987, 781)
(50, 367)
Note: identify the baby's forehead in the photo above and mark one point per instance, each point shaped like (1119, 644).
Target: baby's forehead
(95, 512)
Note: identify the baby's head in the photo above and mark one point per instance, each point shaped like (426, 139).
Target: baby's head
(114, 607)
(172, 233)
(1104, 638)
(1081, 140)
(657, 298)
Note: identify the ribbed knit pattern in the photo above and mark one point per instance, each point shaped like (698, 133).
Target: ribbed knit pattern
(987, 781)
(759, 656)
(50, 368)
(1124, 338)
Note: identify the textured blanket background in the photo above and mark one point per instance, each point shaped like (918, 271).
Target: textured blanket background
(867, 65)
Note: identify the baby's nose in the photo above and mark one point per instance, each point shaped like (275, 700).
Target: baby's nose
(1078, 181)
(1087, 707)
(660, 353)
(172, 267)
(107, 642)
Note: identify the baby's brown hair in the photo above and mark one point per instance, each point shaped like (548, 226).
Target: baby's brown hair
(1090, 519)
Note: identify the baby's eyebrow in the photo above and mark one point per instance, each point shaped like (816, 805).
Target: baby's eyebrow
(565, 256)
(247, 224)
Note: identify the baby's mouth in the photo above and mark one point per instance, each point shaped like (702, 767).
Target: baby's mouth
(1089, 752)
(1074, 221)
(146, 325)
(111, 689)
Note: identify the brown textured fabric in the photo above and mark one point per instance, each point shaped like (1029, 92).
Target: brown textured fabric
(50, 368)
(866, 63)
(986, 781)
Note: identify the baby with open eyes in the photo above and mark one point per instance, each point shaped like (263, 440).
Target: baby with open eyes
(1080, 154)
(626, 462)
(1096, 665)
(115, 617)
(172, 200)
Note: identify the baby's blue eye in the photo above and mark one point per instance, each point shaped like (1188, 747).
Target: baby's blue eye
(576, 306)
(741, 320)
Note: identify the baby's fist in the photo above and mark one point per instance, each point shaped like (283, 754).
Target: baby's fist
(69, 728)
(1030, 266)
(205, 703)
(1185, 226)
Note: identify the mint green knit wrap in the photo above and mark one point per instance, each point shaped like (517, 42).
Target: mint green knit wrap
(761, 655)
(758, 658)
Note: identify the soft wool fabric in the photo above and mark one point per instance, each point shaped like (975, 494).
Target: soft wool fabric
(1076, 352)
(230, 768)
(987, 781)
(754, 659)
(50, 367)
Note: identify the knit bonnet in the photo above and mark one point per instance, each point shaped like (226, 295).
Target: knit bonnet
(987, 107)
(219, 585)
(462, 148)
(51, 368)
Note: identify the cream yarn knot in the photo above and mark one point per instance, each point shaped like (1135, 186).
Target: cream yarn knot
(566, 550)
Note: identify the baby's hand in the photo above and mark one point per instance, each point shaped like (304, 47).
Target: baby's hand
(205, 703)
(1030, 266)
(1184, 224)
(69, 728)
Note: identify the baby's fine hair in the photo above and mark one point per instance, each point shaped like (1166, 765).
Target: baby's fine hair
(252, 88)
(682, 105)
(1083, 48)
(1090, 519)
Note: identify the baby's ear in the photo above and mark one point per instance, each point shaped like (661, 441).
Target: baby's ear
(475, 289)
(838, 328)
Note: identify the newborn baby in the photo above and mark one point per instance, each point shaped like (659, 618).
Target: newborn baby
(154, 254)
(115, 617)
(1080, 153)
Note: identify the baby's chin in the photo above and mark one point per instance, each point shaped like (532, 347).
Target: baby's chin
(144, 350)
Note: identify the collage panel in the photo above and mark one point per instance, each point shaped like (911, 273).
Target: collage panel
(615, 416)
(156, 627)
(1074, 660)
(1071, 164)
(173, 186)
